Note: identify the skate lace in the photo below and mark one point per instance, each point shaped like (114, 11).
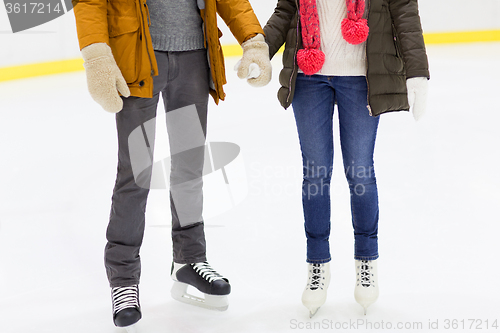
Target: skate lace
(315, 281)
(207, 272)
(365, 273)
(125, 297)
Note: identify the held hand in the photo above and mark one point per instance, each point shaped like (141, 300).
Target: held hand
(255, 65)
(253, 70)
(417, 96)
(104, 78)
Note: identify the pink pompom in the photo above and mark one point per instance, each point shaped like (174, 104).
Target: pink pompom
(355, 32)
(310, 60)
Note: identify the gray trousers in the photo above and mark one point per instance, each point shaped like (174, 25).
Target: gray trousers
(183, 81)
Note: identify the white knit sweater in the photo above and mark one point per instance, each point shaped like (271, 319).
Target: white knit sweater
(342, 58)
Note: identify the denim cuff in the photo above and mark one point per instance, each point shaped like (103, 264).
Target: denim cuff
(375, 257)
(318, 261)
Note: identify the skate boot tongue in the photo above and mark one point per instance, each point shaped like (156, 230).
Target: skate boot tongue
(365, 274)
(207, 272)
(316, 277)
(209, 281)
(126, 308)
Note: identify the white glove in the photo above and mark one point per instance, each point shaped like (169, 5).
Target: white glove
(417, 95)
(104, 78)
(255, 65)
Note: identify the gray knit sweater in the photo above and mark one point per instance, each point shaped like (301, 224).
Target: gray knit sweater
(176, 25)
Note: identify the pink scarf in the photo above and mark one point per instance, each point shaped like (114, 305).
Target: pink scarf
(354, 30)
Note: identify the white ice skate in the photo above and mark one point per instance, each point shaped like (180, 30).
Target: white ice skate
(203, 277)
(314, 295)
(366, 290)
(126, 308)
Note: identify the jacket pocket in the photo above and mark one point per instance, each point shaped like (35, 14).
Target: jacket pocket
(393, 64)
(124, 40)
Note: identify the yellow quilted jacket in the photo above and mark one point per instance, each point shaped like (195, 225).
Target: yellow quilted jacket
(124, 26)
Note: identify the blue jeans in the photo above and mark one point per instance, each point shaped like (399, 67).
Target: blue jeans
(313, 105)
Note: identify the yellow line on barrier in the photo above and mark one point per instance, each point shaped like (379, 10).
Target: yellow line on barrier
(462, 37)
(39, 69)
(73, 65)
(232, 50)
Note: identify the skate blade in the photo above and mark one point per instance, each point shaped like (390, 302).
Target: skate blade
(211, 302)
(312, 312)
(364, 306)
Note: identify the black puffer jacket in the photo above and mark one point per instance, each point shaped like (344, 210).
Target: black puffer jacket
(395, 51)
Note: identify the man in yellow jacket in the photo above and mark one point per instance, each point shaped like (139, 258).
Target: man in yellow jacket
(134, 51)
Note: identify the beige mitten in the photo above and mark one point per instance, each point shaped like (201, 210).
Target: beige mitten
(255, 65)
(104, 78)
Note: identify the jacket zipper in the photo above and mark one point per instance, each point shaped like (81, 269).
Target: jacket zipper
(294, 54)
(144, 34)
(399, 54)
(147, 12)
(367, 67)
(212, 78)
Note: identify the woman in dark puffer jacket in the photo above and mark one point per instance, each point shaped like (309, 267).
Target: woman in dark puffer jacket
(368, 58)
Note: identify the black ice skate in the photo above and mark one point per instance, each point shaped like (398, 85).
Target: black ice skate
(214, 286)
(126, 308)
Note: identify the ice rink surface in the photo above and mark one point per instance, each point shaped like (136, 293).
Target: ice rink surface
(439, 225)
